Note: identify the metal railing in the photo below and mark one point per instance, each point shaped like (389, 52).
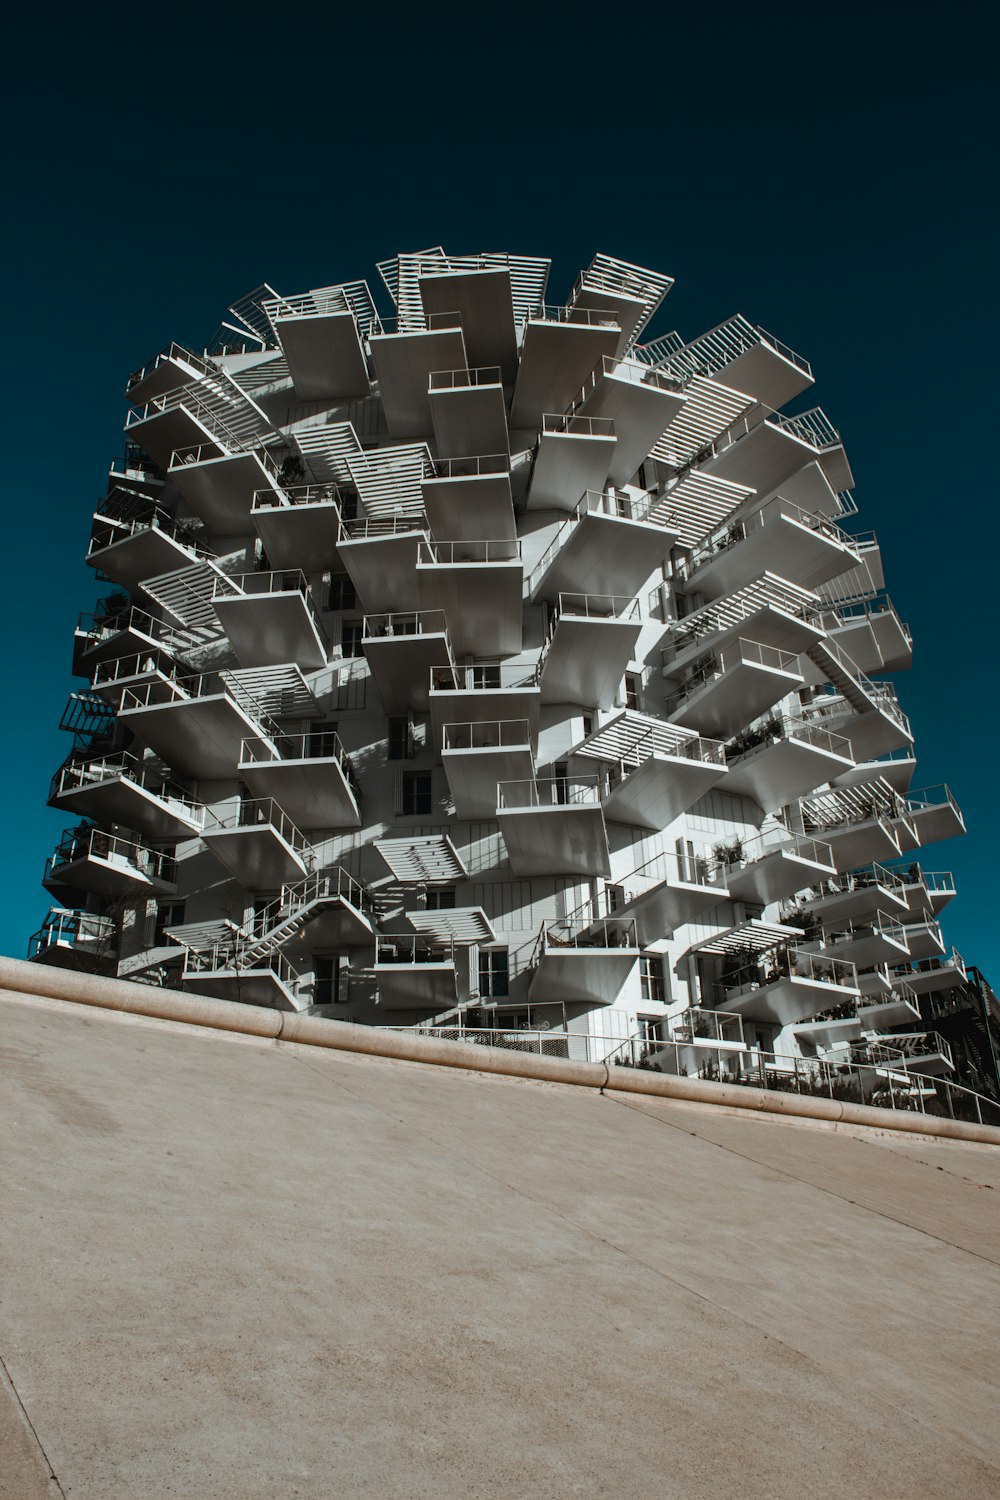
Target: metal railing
(901, 1046)
(314, 744)
(585, 933)
(403, 323)
(597, 607)
(472, 466)
(356, 530)
(89, 842)
(236, 957)
(68, 928)
(741, 652)
(775, 727)
(881, 925)
(486, 734)
(283, 497)
(450, 380)
(295, 897)
(775, 841)
(787, 961)
(813, 427)
(98, 627)
(697, 1024)
(124, 766)
(484, 677)
(770, 514)
(874, 877)
(404, 622)
(260, 812)
(549, 791)
(547, 312)
(469, 551)
(574, 425)
(767, 592)
(662, 869)
(173, 351)
(412, 949)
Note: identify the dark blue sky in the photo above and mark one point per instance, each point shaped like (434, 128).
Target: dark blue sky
(828, 172)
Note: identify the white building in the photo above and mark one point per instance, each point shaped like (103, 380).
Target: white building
(486, 666)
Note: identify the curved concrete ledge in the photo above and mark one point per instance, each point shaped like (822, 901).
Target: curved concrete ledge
(274, 1025)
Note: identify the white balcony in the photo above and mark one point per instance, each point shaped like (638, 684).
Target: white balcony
(931, 814)
(105, 864)
(856, 895)
(803, 547)
(924, 939)
(560, 348)
(745, 355)
(226, 972)
(331, 910)
(831, 1031)
(932, 974)
(574, 455)
(866, 712)
(932, 893)
(591, 640)
(219, 487)
(483, 296)
(319, 336)
(117, 789)
(770, 610)
(867, 942)
(485, 691)
(857, 822)
(632, 293)
(784, 984)
(723, 692)
(70, 939)
(112, 635)
(415, 974)
(171, 368)
(154, 673)
(380, 554)
(477, 756)
(132, 542)
(258, 844)
(584, 963)
(640, 401)
(193, 723)
(478, 585)
(468, 411)
(882, 1014)
(608, 545)
(654, 771)
(298, 525)
(553, 826)
(896, 768)
(402, 651)
(270, 619)
(404, 359)
(764, 455)
(925, 1053)
(666, 892)
(780, 759)
(872, 635)
(470, 498)
(309, 775)
(772, 866)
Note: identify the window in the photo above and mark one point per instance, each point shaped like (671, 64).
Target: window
(326, 983)
(650, 1028)
(321, 741)
(352, 641)
(170, 914)
(651, 977)
(442, 899)
(401, 745)
(633, 690)
(342, 593)
(415, 793)
(493, 973)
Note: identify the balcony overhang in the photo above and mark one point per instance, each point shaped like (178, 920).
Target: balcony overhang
(382, 568)
(933, 821)
(403, 363)
(401, 667)
(484, 301)
(248, 986)
(873, 732)
(883, 1015)
(826, 1034)
(666, 905)
(104, 875)
(219, 488)
(163, 430)
(852, 905)
(168, 372)
(416, 986)
(196, 736)
(867, 949)
(581, 975)
(145, 553)
(314, 791)
(568, 464)
(769, 624)
(473, 773)
(783, 770)
(481, 601)
(785, 546)
(769, 454)
(767, 375)
(943, 976)
(468, 418)
(324, 354)
(473, 507)
(267, 630)
(659, 789)
(587, 658)
(603, 554)
(857, 844)
(640, 408)
(121, 800)
(565, 840)
(898, 772)
(298, 536)
(776, 875)
(787, 1000)
(725, 704)
(556, 359)
(923, 940)
(470, 705)
(260, 856)
(88, 653)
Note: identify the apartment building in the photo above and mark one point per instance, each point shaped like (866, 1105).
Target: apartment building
(495, 666)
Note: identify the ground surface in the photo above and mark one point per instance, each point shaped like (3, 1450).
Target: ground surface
(234, 1269)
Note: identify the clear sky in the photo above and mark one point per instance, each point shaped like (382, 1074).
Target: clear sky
(828, 171)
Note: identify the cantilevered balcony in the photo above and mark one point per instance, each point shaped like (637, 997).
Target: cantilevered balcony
(154, 672)
(404, 358)
(105, 864)
(132, 538)
(866, 712)
(468, 411)
(654, 771)
(171, 368)
(560, 348)
(258, 844)
(765, 454)
(380, 554)
(553, 825)
(298, 525)
(831, 1031)
(641, 402)
(309, 775)
(470, 497)
(477, 756)
(481, 288)
(486, 691)
(932, 974)
(897, 768)
(320, 337)
(118, 789)
(857, 822)
(591, 640)
(925, 1053)
(779, 759)
(802, 547)
(581, 962)
(926, 890)
(924, 938)
(856, 895)
(931, 814)
(332, 910)
(632, 293)
(667, 891)
(402, 651)
(867, 942)
(883, 1013)
(608, 545)
(270, 619)
(770, 610)
(726, 690)
(106, 635)
(195, 723)
(783, 984)
(70, 939)
(220, 486)
(574, 454)
(415, 974)
(772, 866)
(226, 972)
(744, 356)
(871, 633)
(478, 585)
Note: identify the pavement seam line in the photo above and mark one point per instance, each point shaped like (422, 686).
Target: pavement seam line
(31, 1426)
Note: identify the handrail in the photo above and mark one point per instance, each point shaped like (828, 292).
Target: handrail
(486, 734)
(403, 623)
(358, 529)
(598, 606)
(411, 948)
(769, 514)
(468, 551)
(78, 774)
(734, 653)
(472, 466)
(484, 677)
(70, 927)
(444, 380)
(283, 496)
(602, 932)
(547, 312)
(572, 424)
(548, 791)
(173, 350)
(91, 842)
(788, 961)
(774, 727)
(263, 812)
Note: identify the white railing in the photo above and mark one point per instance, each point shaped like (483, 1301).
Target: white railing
(484, 677)
(412, 949)
(259, 812)
(786, 961)
(741, 652)
(93, 843)
(472, 466)
(301, 495)
(598, 607)
(772, 513)
(573, 425)
(68, 928)
(502, 550)
(486, 734)
(80, 774)
(549, 791)
(450, 380)
(775, 727)
(403, 623)
(585, 934)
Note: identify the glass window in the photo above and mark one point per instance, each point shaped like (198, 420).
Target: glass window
(326, 983)
(352, 638)
(651, 977)
(493, 973)
(401, 739)
(416, 793)
(442, 899)
(170, 914)
(342, 593)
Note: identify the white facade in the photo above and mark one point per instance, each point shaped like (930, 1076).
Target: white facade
(486, 666)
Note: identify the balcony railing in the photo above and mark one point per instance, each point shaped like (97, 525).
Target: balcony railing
(294, 897)
(472, 466)
(740, 851)
(469, 551)
(283, 496)
(87, 842)
(582, 933)
(173, 351)
(451, 380)
(549, 791)
(697, 1024)
(767, 592)
(788, 962)
(83, 773)
(813, 427)
(665, 869)
(483, 677)
(881, 925)
(774, 511)
(597, 607)
(378, 526)
(405, 622)
(260, 812)
(67, 928)
(406, 949)
(546, 312)
(741, 652)
(486, 734)
(97, 627)
(907, 1047)
(434, 322)
(315, 744)
(775, 727)
(574, 425)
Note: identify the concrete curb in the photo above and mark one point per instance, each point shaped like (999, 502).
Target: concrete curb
(274, 1025)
